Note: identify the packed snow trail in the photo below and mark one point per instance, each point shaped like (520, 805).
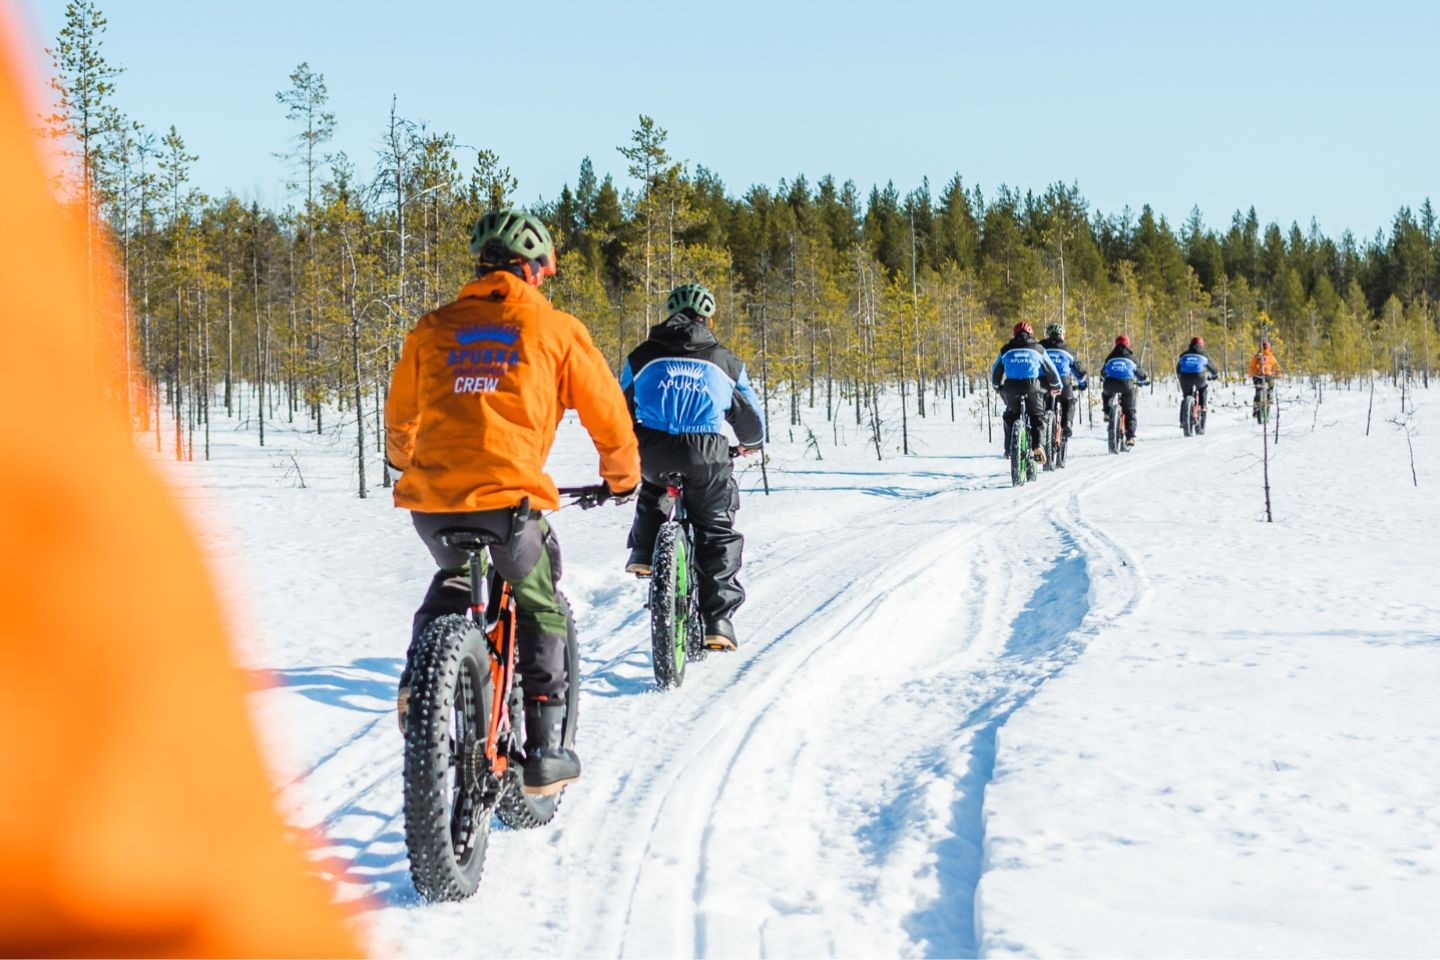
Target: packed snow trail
(825, 790)
(1246, 765)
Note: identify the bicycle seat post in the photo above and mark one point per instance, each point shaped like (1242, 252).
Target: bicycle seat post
(477, 581)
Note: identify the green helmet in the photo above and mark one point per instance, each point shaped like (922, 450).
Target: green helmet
(518, 233)
(691, 296)
(1055, 330)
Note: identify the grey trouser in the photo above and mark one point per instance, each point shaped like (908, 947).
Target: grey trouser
(542, 620)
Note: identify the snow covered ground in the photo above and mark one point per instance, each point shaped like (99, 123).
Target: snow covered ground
(1113, 713)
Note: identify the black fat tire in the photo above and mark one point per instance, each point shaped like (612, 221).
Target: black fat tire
(1114, 430)
(451, 651)
(1019, 453)
(1048, 438)
(667, 567)
(517, 809)
(1187, 416)
(521, 811)
(695, 631)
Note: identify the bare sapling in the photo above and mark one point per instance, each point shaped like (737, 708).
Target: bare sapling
(293, 470)
(812, 443)
(1370, 410)
(1275, 406)
(1265, 466)
(989, 417)
(1403, 422)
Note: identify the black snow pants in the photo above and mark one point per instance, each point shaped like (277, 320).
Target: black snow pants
(1127, 391)
(1026, 394)
(1194, 383)
(711, 498)
(1065, 405)
(542, 619)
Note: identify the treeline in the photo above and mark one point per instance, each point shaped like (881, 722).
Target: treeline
(830, 293)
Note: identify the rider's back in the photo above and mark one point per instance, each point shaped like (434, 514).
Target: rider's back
(1023, 358)
(478, 392)
(1264, 364)
(1063, 356)
(1194, 360)
(1121, 364)
(681, 380)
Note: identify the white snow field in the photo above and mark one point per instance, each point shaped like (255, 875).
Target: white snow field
(1113, 713)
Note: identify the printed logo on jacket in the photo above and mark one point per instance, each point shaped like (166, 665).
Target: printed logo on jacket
(482, 357)
(682, 376)
(1062, 361)
(1022, 363)
(1120, 368)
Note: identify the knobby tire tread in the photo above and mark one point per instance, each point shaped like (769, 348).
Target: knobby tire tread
(668, 673)
(1017, 454)
(436, 872)
(520, 811)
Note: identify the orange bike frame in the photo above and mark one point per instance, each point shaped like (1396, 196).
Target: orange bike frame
(502, 676)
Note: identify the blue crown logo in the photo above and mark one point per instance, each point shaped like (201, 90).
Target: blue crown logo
(468, 335)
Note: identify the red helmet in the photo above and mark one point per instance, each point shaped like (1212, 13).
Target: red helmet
(1197, 341)
(1023, 327)
(1264, 344)
(1122, 341)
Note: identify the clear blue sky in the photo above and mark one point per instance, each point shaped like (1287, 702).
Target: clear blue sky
(1300, 108)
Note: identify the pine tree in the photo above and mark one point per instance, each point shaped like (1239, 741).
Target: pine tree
(648, 162)
(83, 86)
(304, 104)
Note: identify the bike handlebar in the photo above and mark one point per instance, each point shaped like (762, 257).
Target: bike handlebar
(592, 495)
(587, 496)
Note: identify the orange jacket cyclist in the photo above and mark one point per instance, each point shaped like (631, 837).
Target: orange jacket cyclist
(473, 407)
(1264, 368)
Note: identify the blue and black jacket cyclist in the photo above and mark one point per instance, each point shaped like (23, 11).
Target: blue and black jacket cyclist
(1071, 370)
(1122, 376)
(1194, 369)
(1022, 372)
(683, 387)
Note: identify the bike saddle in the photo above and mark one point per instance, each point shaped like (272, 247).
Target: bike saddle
(468, 539)
(673, 479)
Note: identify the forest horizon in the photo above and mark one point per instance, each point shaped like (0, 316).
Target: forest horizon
(825, 289)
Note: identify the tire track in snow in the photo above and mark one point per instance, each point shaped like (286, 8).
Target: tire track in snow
(705, 775)
(685, 820)
(707, 709)
(1087, 585)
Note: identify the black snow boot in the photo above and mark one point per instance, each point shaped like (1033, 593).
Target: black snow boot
(719, 634)
(549, 766)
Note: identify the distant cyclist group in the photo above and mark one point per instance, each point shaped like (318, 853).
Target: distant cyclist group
(1039, 379)
(488, 700)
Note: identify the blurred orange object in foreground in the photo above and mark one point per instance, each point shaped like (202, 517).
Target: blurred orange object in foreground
(135, 817)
